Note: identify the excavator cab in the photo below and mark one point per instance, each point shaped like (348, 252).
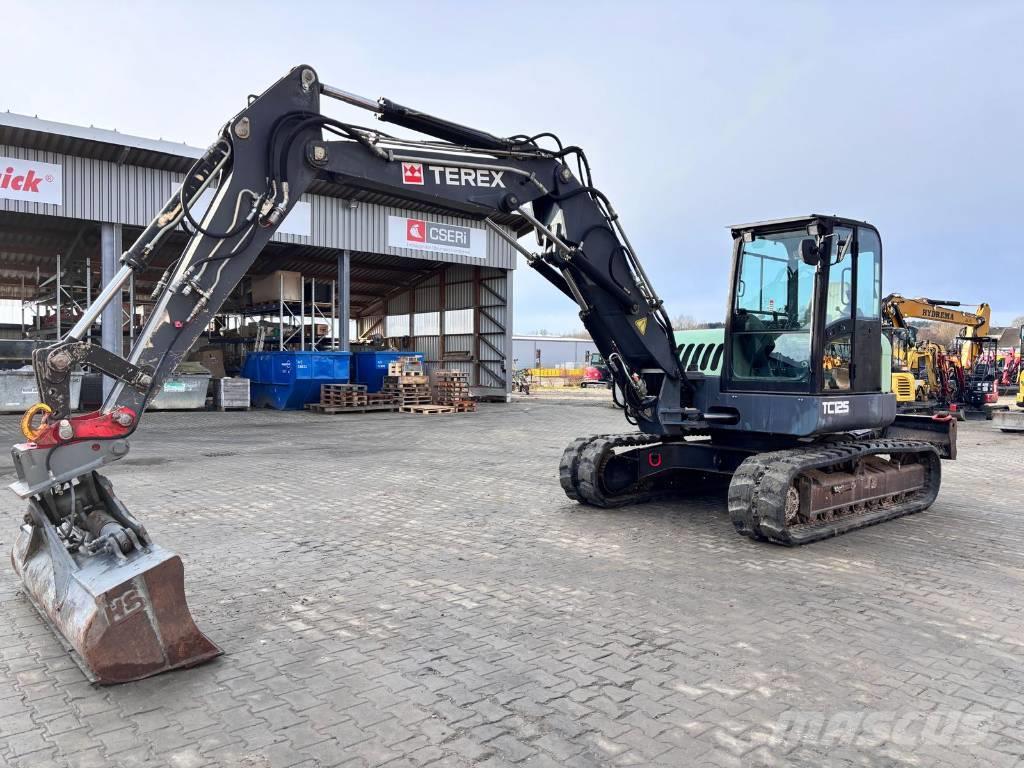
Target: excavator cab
(805, 313)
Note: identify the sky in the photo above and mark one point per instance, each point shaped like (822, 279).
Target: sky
(694, 116)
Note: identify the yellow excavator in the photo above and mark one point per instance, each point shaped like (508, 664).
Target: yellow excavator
(1012, 420)
(924, 374)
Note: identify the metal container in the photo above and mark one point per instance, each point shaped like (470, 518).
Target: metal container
(231, 393)
(370, 368)
(182, 392)
(289, 380)
(18, 390)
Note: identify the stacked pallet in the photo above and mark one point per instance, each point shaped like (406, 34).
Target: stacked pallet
(343, 394)
(407, 389)
(351, 398)
(452, 388)
(406, 366)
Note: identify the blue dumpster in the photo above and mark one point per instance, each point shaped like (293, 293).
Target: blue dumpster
(370, 368)
(289, 380)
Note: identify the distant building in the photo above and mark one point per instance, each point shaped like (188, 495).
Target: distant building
(1009, 337)
(550, 351)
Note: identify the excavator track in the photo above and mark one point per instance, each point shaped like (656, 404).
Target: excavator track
(801, 495)
(568, 465)
(583, 461)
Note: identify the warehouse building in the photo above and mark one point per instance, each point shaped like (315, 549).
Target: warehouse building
(72, 198)
(551, 351)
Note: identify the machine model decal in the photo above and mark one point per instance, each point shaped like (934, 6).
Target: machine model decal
(835, 407)
(423, 235)
(31, 180)
(412, 173)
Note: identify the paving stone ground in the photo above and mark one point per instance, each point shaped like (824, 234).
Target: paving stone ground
(396, 590)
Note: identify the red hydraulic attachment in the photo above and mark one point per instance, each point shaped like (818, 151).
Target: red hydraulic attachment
(88, 426)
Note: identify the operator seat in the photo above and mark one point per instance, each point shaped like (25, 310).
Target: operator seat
(753, 349)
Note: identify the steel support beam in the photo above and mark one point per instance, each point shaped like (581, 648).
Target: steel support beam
(344, 298)
(112, 332)
(508, 365)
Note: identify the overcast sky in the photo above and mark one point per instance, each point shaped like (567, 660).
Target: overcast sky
(694, 116)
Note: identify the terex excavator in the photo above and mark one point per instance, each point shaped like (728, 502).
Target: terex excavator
(814, 449)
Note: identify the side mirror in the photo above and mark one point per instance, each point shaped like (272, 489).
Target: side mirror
(810, 254)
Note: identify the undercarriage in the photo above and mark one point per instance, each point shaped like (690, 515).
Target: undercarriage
(791, 496)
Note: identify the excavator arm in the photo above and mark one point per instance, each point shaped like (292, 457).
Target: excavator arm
(265, 159)
(80, 546)
(897, 310)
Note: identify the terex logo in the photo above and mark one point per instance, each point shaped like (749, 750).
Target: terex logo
(466, 177)
(835, 407)
(412, 173)
(416, 231)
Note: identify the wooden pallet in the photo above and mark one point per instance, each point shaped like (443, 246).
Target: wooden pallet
(465, 406)
(343, 389)
(343, 400)
(406, 366)
(407, 393)
(405, 379)
(427, 409)
(334, 409)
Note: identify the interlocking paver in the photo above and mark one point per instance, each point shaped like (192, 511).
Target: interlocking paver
(418, 592)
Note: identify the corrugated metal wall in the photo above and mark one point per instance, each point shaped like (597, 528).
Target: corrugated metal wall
(476, 303)
(104, 191)
(99, 190)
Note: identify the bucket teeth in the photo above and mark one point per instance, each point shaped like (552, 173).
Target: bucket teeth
(125, 618)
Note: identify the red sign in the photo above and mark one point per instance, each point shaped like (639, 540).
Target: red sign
(412, 173)
(416, 230)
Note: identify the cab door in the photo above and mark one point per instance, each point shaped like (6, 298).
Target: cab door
(852, 327)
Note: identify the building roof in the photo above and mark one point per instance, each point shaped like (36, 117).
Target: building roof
(125, 149)
(1009, 336)
(541, 337)
(29, 245)
(96, 143)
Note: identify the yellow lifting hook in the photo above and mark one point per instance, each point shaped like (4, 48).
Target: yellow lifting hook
(26, 421)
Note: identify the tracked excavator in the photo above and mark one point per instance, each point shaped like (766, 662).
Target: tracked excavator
(938, 378)
(1012, 419)
(788, 401)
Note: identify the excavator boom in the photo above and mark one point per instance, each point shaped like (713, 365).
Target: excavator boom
(90, 567)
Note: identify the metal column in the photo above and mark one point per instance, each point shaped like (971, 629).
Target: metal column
(344, 299)
(510, 365)
(112, 332)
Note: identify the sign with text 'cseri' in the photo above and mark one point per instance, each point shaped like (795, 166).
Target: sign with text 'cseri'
(423, 235)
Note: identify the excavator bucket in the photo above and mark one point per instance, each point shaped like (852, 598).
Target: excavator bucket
(123, 616)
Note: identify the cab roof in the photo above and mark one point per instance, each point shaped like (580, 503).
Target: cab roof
(778, 224)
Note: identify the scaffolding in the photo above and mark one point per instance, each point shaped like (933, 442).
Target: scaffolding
(305, 324)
